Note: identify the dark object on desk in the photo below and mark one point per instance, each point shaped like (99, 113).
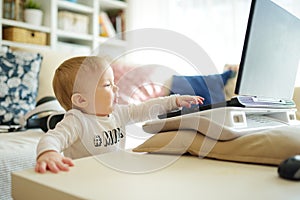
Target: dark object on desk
(199, 107)
(290, 168)
(194, 108)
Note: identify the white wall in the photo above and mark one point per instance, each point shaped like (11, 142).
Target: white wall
(218, 26)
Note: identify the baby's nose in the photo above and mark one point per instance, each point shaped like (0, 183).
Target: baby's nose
(115, 88)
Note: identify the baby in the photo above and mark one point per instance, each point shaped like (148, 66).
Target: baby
(94, 123)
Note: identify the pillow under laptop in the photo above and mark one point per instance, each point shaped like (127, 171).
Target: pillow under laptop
(269, 147)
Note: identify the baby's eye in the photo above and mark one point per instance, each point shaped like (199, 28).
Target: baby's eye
(107, 85)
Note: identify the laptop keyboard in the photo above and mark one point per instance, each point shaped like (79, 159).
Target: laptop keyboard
(261, 121)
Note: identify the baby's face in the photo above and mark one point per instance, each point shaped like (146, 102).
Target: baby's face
(105, 94)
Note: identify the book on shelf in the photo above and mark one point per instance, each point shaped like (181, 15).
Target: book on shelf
(106, 27)
(117, 18)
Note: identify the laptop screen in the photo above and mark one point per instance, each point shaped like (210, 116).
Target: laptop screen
(271, 52)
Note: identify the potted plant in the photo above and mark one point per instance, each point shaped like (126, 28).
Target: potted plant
(33, 13)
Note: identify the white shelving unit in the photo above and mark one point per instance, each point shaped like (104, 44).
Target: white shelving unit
(57, 38)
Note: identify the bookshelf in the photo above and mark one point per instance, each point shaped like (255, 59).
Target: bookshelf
(59, 35)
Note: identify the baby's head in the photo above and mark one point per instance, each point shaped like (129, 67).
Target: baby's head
(78, 82)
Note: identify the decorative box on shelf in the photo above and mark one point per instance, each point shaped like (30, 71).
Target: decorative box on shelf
(16, 34)
(73, 22)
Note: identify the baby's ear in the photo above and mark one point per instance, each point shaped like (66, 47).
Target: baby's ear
(79, 100)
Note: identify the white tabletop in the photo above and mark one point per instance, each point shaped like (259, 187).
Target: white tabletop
(123, 175)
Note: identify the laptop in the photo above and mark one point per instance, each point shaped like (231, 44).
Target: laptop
(270, 57)
(269, 62)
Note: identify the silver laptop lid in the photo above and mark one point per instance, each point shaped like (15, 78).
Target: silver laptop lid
(271, 52)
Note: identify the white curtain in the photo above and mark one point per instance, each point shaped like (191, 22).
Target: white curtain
(218, 26)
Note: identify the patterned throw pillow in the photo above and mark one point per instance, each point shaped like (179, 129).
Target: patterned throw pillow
(137, 84)
(19, 77)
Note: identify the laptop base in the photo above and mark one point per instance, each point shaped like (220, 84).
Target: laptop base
(237, 120)
(239, 101)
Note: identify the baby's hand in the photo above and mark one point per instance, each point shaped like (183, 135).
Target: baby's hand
(187, 100)
(52, 161)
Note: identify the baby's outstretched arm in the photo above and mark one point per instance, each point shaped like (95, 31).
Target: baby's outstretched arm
(187, 100)
(52, 161)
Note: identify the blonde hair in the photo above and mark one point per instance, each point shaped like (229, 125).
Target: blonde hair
(68, 76)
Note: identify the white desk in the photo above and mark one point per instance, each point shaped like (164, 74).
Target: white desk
(186, 178)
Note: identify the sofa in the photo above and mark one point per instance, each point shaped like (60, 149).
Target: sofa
(17, 149)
